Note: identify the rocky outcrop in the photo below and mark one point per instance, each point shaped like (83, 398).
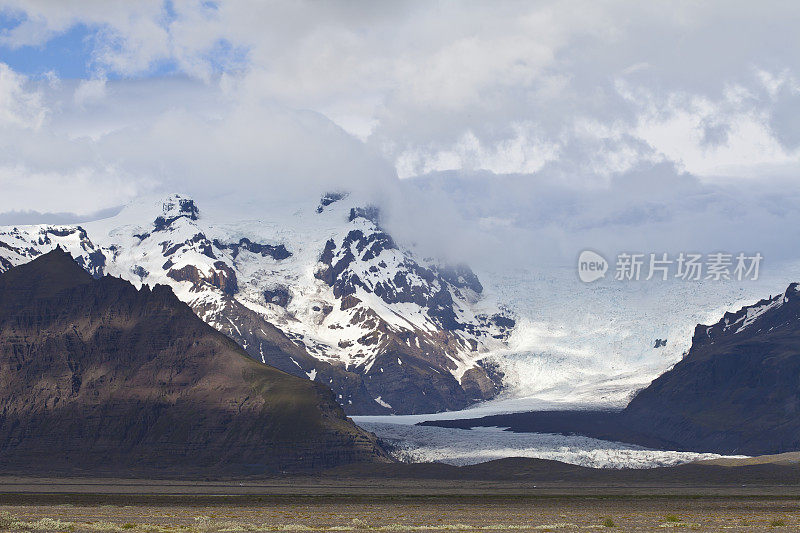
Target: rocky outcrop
(265, 250)
(221, 276)
(175, 208)
(97, 377)
(420, 366)
(329, 198)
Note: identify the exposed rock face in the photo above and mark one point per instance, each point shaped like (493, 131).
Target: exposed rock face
(221, 277)
(265, 250)
(175, 208)
(278, 295)
(328, 198)
(96, 376)
(365, 317)
(738, 388)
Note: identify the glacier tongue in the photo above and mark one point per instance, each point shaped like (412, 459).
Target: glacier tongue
(460, 447)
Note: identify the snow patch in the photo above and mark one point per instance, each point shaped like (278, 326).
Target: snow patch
(380, 402)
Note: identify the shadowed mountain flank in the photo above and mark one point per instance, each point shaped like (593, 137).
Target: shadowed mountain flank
(96, 376)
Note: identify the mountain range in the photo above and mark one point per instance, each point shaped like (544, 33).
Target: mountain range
(318, 290)
(412, 335)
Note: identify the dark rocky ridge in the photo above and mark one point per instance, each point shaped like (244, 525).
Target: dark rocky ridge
(265, 250)
(737, 391)
(336, 271)
(222, 277)
(97, 376)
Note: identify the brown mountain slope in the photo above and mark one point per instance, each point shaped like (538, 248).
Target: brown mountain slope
(99, 377)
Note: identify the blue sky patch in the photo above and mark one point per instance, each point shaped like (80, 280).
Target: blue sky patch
(67, 54)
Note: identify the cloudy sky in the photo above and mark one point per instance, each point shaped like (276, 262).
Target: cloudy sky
(521, 125)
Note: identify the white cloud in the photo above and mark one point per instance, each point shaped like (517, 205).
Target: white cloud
(18, 105)
(420, 81)
(589, 108)
(729, 136)
(89, 91)
(101, 143)
(523, 153)
(83, 189)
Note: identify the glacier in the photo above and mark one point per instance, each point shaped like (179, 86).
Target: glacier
(459, 447)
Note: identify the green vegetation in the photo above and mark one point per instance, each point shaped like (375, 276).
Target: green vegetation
(608, 522)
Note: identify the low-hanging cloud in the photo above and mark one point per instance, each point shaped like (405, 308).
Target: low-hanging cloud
(95, 153)
(539, 222)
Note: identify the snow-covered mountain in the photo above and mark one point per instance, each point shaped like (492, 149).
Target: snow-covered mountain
(319, 290)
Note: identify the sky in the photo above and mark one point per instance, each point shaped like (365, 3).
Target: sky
(521, 131)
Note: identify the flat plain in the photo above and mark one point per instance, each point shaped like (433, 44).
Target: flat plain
(335, 503)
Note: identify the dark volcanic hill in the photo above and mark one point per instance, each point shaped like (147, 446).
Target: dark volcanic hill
(738, 388)
(737, 391)
(96, 376)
